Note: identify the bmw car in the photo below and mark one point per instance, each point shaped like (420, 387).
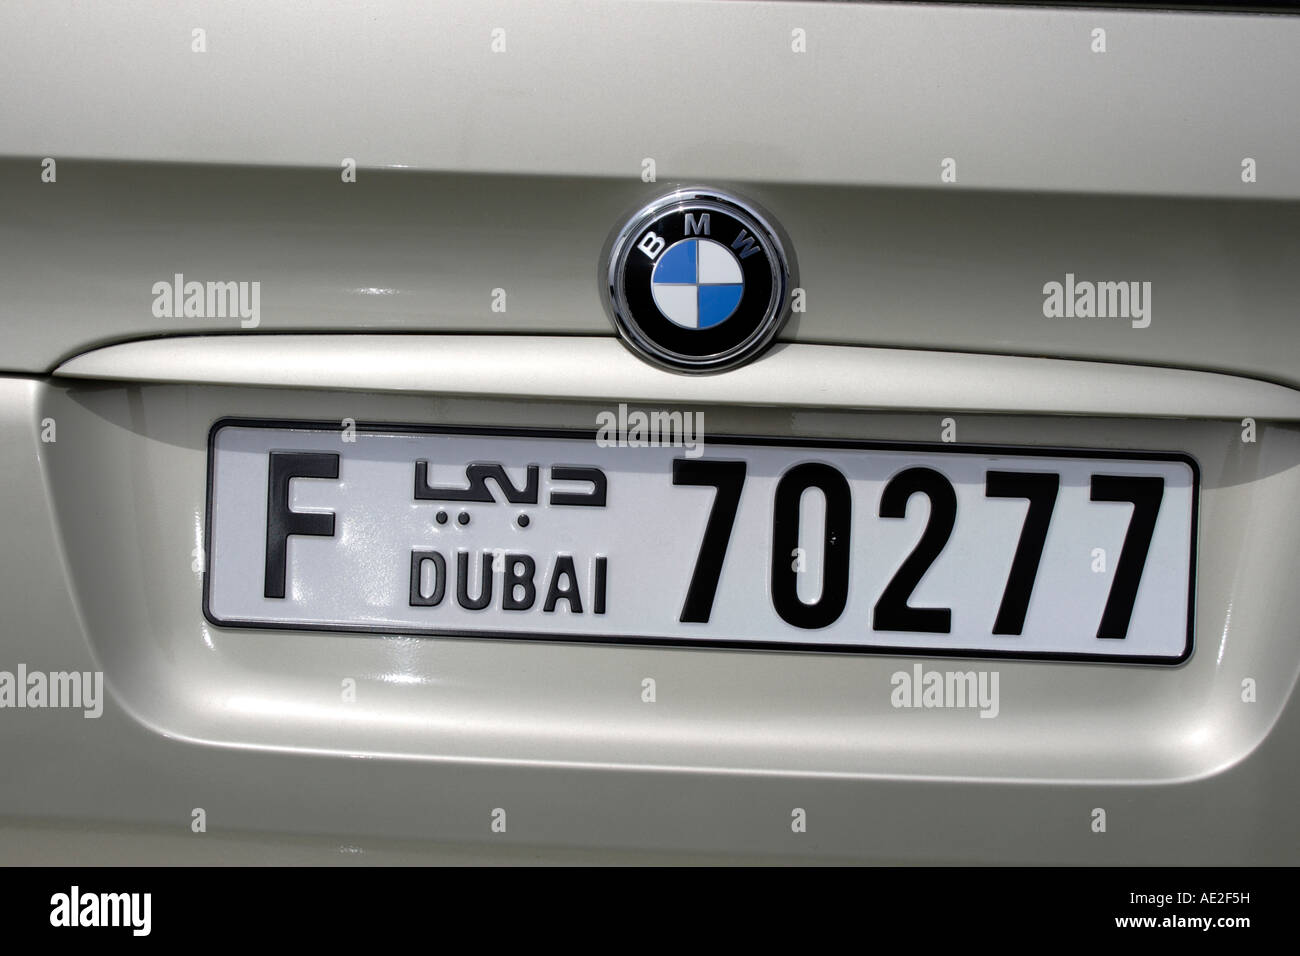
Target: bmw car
(638, 432)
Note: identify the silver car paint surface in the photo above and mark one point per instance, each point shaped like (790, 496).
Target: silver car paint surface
(482, 170)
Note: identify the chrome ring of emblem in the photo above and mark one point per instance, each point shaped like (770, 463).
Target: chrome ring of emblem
(701, 199)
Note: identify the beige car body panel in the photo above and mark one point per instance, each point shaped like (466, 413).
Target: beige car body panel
(480, 171)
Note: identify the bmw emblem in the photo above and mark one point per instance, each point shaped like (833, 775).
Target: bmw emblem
(698, 281)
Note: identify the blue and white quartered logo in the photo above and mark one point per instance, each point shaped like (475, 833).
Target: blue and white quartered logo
(697, 283)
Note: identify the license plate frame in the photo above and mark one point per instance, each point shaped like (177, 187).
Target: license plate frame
(1015, 452)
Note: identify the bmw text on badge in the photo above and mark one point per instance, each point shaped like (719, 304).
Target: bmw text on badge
(698, 281)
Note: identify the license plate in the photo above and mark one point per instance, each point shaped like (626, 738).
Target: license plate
(748, 542)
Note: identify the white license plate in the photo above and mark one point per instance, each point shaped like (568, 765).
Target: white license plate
(756, 542)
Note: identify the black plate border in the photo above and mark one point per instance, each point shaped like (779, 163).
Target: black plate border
(968, 448)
